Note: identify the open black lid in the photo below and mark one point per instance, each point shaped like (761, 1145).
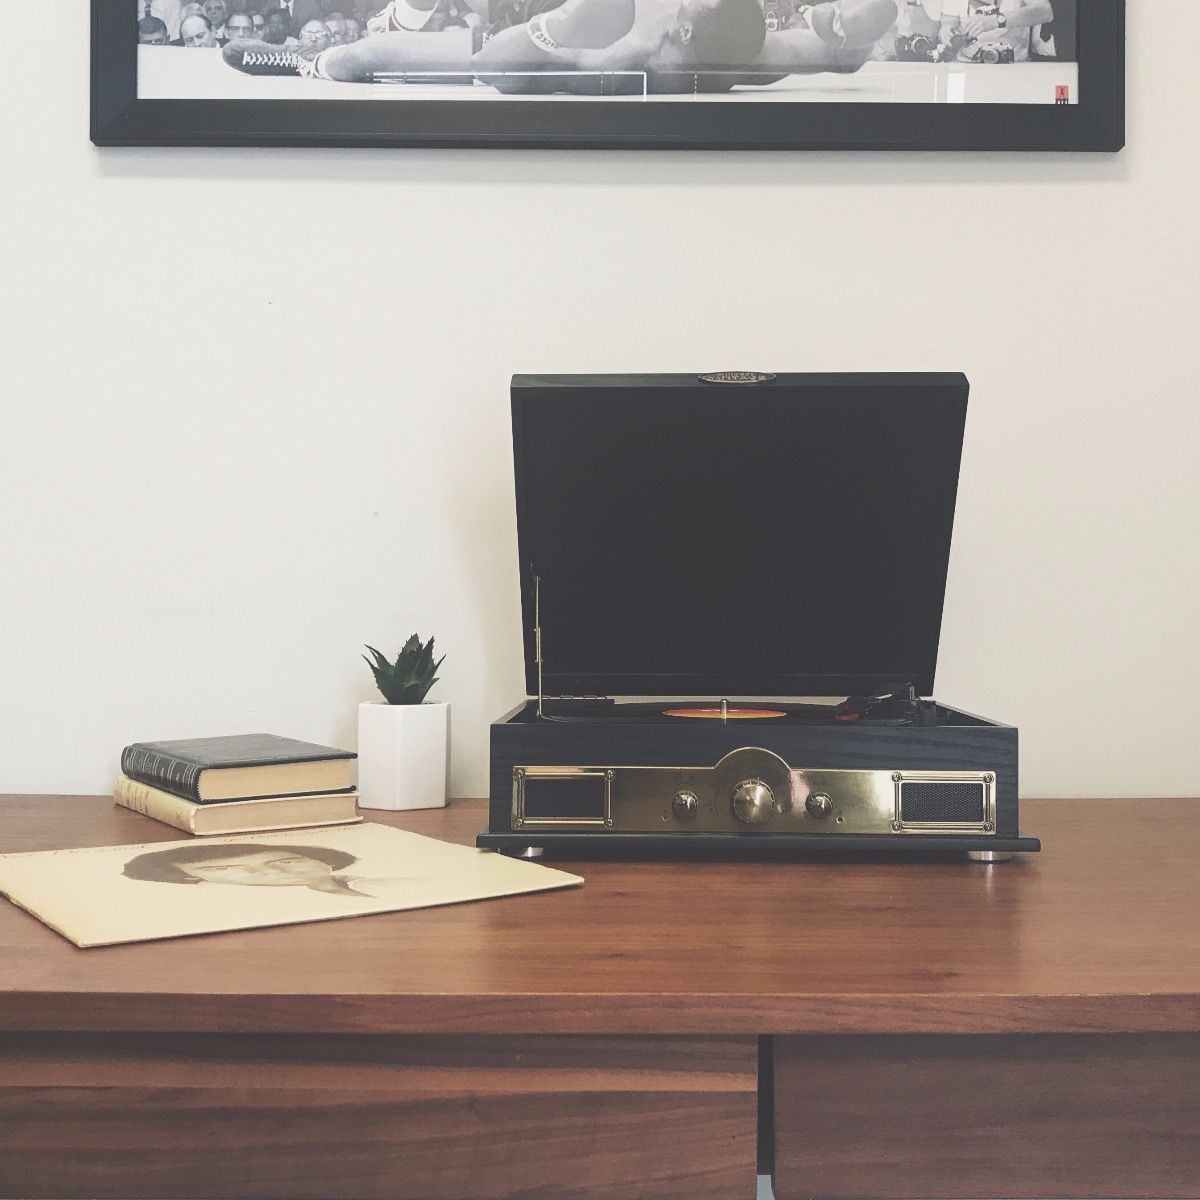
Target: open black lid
(781, 538)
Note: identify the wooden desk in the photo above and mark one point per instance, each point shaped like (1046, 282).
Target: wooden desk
(936, 1030)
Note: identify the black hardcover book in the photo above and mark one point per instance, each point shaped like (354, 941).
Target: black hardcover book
(242, 767)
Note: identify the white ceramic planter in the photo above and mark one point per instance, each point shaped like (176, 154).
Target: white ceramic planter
(403, 755)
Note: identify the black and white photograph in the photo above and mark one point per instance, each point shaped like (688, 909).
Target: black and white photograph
(843, 51)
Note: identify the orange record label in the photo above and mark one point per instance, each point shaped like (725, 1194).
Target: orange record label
(731, 714)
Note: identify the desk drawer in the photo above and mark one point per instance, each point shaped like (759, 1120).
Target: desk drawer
(965, 1117)
(389, 1117)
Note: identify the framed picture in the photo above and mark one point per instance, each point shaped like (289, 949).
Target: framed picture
(666, 74)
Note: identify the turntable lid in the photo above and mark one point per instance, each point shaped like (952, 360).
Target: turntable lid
(782, 538)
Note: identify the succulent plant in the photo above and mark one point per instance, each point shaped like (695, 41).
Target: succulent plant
(409, 678)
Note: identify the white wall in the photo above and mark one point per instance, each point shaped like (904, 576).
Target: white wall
(255, 408)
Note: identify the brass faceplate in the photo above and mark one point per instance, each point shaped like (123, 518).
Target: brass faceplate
(641, 799)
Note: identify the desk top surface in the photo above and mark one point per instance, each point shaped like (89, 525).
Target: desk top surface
(1099, 933)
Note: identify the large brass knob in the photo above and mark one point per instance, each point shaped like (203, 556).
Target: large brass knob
(752, 801)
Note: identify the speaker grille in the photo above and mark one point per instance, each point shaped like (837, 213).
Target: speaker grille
(937, 803)
(564, 798)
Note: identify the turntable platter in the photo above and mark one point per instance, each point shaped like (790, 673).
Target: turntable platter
(726, 714)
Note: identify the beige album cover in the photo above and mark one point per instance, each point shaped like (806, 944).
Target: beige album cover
(107, 895)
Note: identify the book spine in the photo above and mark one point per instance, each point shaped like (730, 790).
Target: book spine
(151, 802)
(162, 771)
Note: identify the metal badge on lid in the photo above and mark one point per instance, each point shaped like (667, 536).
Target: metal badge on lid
(737, 377)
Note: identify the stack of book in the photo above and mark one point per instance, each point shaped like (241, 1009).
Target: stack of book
(246, 784)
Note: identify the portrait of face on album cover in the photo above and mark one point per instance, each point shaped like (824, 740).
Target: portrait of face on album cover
(108, 895)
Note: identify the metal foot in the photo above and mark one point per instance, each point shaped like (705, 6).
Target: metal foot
(531, 852)
(990, 856)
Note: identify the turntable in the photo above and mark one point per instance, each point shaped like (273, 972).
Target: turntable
(732, 593)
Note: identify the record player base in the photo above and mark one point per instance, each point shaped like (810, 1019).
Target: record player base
(749, 846)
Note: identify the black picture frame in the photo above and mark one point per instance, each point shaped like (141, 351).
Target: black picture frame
(1095, 124)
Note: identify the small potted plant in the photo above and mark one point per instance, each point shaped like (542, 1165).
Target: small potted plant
(403, 740)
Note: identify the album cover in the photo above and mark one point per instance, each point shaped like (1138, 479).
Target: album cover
(109, 895)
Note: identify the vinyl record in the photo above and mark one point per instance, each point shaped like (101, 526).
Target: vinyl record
(728, 714)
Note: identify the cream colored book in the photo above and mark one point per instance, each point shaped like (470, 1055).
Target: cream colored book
(241, 816)
(107, 895)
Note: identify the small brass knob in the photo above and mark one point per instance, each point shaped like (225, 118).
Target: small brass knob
(685, 805)
(819, 805)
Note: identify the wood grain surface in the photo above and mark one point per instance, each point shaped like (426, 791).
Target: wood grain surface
(375, 1118)
(967, 1118)
(1096, 934)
